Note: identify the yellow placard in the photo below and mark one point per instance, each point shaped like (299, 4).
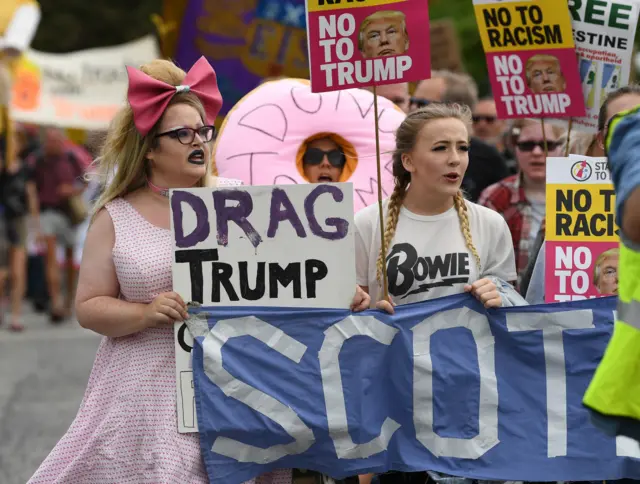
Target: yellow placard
(517, 26)
(581, 213)
(325, 5)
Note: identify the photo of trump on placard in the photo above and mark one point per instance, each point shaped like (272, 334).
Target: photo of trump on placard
(544, 74)
(383, 33)
(605, 272)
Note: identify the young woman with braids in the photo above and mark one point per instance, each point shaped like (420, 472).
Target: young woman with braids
(437, 242)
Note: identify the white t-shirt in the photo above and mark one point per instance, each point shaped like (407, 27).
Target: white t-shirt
(428, 257)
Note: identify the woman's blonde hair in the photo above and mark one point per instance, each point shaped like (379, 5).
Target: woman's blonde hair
(519, 124)
(122, 164)
(406, 137)
(583, 143)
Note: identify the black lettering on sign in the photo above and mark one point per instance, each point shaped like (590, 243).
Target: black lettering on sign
(529, 30)
(221, 276)
(195, 258)
(405, 268)
(314, 270)
(255, 288)
(181, 338)
(524, 36)
(601, 40)
(323, 3)
(608, 195)
(583, 225)
(285, 276)
(245, 291)
(570, 200)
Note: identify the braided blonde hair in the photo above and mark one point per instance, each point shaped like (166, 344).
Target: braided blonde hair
(405, 142)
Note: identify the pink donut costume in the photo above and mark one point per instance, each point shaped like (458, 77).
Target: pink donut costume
(264, 136)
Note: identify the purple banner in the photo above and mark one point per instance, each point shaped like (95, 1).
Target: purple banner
(245, 41)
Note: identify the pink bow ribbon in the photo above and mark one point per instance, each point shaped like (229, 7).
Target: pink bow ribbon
(149, 97)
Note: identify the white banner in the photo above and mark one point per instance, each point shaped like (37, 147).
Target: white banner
(82, 89)
(261, 246)
(604, 33)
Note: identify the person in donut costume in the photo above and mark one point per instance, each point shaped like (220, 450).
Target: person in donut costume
(282, 133)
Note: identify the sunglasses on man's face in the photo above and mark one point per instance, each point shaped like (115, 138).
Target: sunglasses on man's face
(314, 156)
(486, 119)
(531, 145)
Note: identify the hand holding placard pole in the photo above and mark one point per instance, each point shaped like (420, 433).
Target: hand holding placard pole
(382, 243)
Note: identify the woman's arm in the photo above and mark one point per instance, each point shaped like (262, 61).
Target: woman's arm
(97, 305)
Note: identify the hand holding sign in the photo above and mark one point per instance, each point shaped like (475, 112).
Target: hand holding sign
(166, 308)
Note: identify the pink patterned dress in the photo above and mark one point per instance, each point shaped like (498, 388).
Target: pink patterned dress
(126, 430)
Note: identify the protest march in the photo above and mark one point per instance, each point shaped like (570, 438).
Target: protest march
(327, 241)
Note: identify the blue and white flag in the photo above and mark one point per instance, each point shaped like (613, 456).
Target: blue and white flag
(443, 385)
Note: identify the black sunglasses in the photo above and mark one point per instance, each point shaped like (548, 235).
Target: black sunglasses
(530, 145)
(314, 156)
(187, 135)
(488, 119)
(420, 102)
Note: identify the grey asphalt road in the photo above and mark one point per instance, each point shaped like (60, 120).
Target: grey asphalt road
(43, 375)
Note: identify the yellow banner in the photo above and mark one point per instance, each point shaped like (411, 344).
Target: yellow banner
(581, 213)
(325, 5)
(516, 26)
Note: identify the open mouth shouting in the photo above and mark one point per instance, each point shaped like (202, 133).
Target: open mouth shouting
(324, 178)
(452, 177)
(196, 157)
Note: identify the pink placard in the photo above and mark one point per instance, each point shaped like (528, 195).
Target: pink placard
(580, 270)
(536, 84)
(365, 46)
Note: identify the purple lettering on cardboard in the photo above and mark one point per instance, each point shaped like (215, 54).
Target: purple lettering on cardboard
(237, 213)
(340, 224)
(282, 209)
(201, 232)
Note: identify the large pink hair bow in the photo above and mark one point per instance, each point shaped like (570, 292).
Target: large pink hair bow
(149, 97)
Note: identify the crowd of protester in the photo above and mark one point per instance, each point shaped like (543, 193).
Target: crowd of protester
(44, 203)
(46, 199)
(42, 186)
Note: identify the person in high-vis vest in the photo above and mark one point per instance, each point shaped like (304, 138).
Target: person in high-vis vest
(613, 396)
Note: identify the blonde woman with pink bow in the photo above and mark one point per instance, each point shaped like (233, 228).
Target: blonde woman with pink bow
(126, 429)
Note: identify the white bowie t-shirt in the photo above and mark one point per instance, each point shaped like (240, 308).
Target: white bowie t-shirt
(428, 257)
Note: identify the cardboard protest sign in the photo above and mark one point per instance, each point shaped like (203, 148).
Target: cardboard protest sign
(260, 246)
(604, 31)
(531, 58)
(581, 251)
(82, 89)
(367, 42)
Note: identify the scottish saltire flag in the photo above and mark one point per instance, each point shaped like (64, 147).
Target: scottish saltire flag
(443, 385)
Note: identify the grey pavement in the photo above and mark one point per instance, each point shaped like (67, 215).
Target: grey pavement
(43, 375)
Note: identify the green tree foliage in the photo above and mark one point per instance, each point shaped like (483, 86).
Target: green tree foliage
(462, 14)
(69, 25)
